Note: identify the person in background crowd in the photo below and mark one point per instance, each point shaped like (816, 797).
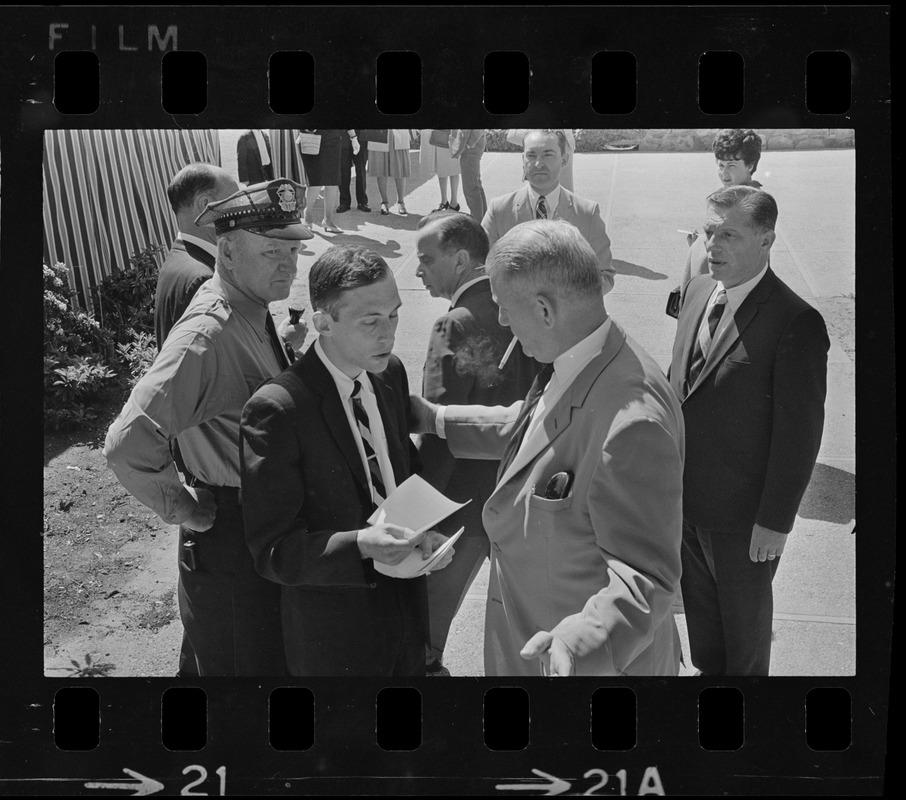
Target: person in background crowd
(439, 160)
(737, 153)
(215, 356)
(391, 160)
(544, 154)
(351, 156)
(750, 368)
(585, 522)
(468, 146)
(253, 157)
(323, 444)
(466, 347)
(322, 170)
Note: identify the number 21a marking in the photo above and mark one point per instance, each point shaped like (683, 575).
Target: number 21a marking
(202, 777)
(603, 782)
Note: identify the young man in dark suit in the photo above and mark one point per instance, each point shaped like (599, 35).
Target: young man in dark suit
(750, 367)
(322, 445)
(466, 347)
(253, 157)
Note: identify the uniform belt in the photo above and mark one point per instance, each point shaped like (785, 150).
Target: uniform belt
(223, 495)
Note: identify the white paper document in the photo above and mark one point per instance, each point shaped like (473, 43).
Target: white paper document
(416, 505)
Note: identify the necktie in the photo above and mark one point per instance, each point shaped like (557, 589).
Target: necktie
(706, 337)
(525, 414)
(280, 351)
(378, 491)
(541, 209)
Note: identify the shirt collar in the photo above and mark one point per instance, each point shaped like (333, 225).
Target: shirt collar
(345, 384)
(250, 308)
(567, 365)
(551, 199)
(208, 247)
(461, 290)
(738, 294)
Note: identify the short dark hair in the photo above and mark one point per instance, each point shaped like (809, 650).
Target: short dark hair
(760, 206)
(190, 182)
(458, 231)
(340, 269)
(738, 143)
(551, 256)
(561, 137)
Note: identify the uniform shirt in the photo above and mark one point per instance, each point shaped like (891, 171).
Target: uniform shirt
(211, 363)
(345, 387)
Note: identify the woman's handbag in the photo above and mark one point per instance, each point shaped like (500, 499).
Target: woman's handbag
(440, 138)
(309, 143)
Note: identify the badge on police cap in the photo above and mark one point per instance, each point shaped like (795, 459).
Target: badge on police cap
(284, 195)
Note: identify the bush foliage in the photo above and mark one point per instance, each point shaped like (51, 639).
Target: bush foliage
(85, 359)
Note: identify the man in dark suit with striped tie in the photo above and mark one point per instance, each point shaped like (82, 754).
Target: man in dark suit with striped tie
(321, 446)
(750, 366)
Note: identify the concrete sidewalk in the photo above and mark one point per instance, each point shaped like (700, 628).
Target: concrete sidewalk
(645, 198)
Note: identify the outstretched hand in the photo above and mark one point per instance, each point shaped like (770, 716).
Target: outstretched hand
(556, 658)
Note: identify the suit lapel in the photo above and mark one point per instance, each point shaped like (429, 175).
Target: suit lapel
(523, 208)
(322, 383)
(741, 320)
(559, 417)
(564, 209)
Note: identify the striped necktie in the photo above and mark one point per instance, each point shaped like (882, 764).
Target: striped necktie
(706, 337)
(542, 379)
(378, 491)
(541, 209)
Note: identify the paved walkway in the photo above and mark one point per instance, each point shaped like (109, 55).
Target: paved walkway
(644, 198)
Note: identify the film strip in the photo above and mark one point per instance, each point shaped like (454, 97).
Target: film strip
(634, 70)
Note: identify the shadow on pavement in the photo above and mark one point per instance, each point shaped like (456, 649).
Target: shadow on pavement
(830, 496)
(389, 249)
(637, 270)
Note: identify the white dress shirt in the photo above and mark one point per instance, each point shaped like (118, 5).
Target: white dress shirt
(208, 247)
(551, 200)
(566, 367)
(735, 298)
(345, 386)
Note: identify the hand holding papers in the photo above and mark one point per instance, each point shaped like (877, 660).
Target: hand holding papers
(415, 507)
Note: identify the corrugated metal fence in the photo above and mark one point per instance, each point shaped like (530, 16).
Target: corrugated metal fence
(105, 196)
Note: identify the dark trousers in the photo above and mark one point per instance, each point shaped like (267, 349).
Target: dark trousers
(447, 589)
(231, 615)
(347, 160)
(729, 602)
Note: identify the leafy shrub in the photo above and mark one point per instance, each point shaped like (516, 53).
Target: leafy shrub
(125, 298)
(136, 356)
(75, 375)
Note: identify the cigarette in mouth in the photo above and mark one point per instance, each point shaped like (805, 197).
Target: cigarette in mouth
(507, 354)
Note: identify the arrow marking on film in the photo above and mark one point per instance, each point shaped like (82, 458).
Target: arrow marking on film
(144, 786)
(554, 786)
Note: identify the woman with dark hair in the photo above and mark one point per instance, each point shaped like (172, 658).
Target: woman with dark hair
(737, 153)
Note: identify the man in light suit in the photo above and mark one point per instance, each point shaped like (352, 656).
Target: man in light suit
(312, 476)
(191, 259)
(585, 522)
(465, 350)
(750, 366)
(543, 158)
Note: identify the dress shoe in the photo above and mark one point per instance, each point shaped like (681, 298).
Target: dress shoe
(385, 209)
(402, 209)
(365, 207)
(453, 208)
(341, 209)
(443, 206)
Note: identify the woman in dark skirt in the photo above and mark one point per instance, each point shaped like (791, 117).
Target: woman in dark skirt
(323, 170)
